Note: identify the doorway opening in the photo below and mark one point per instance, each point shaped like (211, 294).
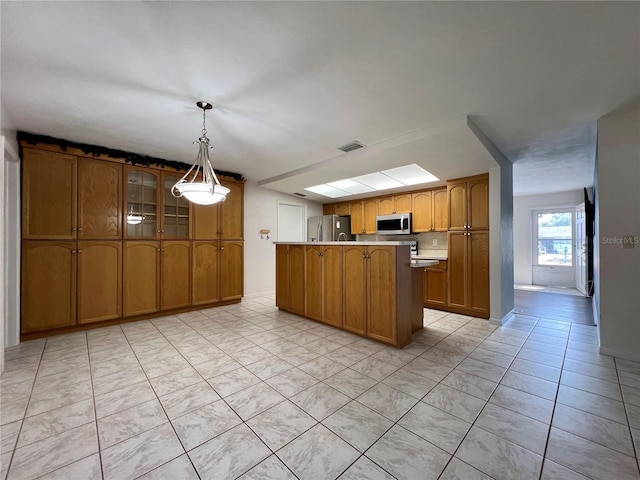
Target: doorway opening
(554, 248)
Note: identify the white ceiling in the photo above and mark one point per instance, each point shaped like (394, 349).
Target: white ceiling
(291, 81)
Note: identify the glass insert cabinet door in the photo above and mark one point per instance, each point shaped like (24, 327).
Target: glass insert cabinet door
(142, 204)
(176, 211)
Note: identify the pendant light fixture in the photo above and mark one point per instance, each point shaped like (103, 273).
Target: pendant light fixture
(200, 184)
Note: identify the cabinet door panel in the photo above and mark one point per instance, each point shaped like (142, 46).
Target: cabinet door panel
(282, 276)
(329, 209)
(385, 206)
(231, 270)
(355, 289)
(370, 208)
(206, 272)
(332, 285)
(141, 204)
(141, 276)
(422, 209)
(313, 279)
(440, 210)
(402, 203)
(205, 221)
(457, 196)
(478, 192)
(48, 285)
(457, 269)
(478, 272)
(381, 299)
(231, 222)
(296, 278)
(343, 209)
(176, 212)
(48, 195)
(99, 281)
(357, 218)
(99, 199)
(435, 287)
(176, 275)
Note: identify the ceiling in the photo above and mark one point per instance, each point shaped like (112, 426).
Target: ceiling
(292, 81)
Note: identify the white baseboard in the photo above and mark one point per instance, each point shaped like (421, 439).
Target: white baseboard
(614, 352)
(503, 320)
(259, 294)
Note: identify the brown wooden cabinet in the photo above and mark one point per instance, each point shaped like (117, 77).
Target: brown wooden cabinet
(468, 272)
(313, 281)
(141, 277)
(394, 204)
(49, 195)
(430, 211)
(468, 201)
(355, 289)
(223, 220)
(99, 200)
(231, 270)
(48, 285)
(381, 300)
(357, 218)
(217, 271)
(323, 283)
(64, 197)
(290, 278)
(435, 285)
(175, 274)
(99, 291)
(103, 240)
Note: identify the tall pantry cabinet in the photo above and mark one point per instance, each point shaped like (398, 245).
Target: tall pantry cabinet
(104, 240)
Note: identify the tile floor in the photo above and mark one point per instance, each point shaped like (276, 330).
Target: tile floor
(251, 392)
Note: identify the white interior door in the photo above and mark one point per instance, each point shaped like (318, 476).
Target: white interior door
(292, 222)
(554, 248)
(581, 249)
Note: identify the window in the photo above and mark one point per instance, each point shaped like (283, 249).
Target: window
(553, 236)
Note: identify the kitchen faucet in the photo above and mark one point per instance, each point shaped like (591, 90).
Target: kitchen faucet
(340, 235)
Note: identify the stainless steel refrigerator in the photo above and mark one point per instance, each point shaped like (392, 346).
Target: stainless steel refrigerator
(329, 228)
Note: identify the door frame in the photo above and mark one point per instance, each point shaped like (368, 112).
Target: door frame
(561, 269)
(303, 217)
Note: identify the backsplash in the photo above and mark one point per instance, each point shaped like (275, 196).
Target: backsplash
(425, 240)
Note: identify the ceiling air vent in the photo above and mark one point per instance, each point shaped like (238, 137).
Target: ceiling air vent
(349, 147)
(299, 194)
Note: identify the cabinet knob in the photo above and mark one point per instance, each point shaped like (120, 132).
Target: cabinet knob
(364, 256)
(157, 249)
(73, 251)
(78, 251)
(73, 229)
(79, 228)
(158, 231)
(221, 248)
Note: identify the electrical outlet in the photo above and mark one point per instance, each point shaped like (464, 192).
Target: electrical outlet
(435, 243)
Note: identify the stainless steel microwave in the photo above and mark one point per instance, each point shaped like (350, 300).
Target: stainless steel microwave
(397, 224)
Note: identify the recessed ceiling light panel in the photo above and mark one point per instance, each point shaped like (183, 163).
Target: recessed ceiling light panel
(378, 181)
(327, 191)
(410, 174)
(351, 186)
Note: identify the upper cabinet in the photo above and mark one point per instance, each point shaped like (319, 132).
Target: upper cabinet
(141, 204)
(222, 220)
(394, 204)
(99, 200)
(48, 195)
(430, 211)
(468, 200)
(336, 209)
(363, 216)
(151, 211)
(69, 198)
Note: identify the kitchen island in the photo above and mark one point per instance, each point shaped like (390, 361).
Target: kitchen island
(372, 289)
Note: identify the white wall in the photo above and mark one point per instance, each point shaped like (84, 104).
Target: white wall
(618, 198)
(261, 212)
(522, 227)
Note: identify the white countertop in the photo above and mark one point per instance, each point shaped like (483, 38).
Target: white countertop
(417, 263)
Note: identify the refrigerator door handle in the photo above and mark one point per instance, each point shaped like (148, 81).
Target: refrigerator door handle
(319, 230)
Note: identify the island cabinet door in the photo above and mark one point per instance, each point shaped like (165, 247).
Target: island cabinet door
(313, 278)
(381, 318)
(332, 285)
(296, 279)
(355, 288)
(282, 277)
